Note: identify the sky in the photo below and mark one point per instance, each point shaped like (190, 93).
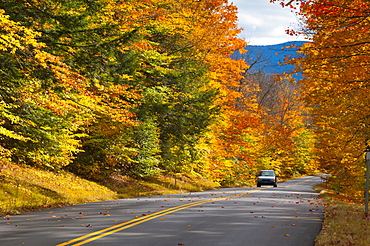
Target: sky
(265, 23)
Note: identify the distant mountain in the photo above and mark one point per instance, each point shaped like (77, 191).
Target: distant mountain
(268, 58)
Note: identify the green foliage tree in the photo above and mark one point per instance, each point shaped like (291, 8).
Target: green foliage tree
(101, 81)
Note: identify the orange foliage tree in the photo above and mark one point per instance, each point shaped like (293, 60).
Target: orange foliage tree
(335, 68)
(288, 140)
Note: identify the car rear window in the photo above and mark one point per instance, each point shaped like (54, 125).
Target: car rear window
(267, 173)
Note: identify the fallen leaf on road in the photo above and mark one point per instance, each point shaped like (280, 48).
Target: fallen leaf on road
(286, 235)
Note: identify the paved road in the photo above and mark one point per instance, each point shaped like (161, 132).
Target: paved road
(289, 215)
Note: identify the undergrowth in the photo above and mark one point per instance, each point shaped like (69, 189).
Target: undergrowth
(345, 221)
(129, 187)
(28, 189)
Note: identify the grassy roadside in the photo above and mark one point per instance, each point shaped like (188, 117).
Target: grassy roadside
(28, 189)
(345, 222)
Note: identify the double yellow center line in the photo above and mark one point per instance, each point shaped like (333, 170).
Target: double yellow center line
(122, 226)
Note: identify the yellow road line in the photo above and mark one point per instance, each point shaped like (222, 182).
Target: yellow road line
(142, 221)
(122, 226)
(302, 218)
(119, 227)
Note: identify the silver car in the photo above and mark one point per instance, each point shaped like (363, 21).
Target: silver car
(267, 177)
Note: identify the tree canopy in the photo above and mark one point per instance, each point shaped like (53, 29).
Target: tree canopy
(335, 68)
(139, 88)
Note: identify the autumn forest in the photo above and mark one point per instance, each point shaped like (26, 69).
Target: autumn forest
(152, 87)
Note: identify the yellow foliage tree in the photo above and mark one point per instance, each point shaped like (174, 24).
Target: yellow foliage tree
(335, 68)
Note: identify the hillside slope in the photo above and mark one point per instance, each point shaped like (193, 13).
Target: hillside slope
(269, 58)
(24, 189)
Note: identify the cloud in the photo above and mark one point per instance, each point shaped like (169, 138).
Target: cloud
(265, 23)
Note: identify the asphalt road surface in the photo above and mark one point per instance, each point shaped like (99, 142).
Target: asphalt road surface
(289, 215)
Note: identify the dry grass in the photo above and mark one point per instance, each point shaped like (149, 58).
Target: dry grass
(27, 189)
(128, 187)
(345, 223)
